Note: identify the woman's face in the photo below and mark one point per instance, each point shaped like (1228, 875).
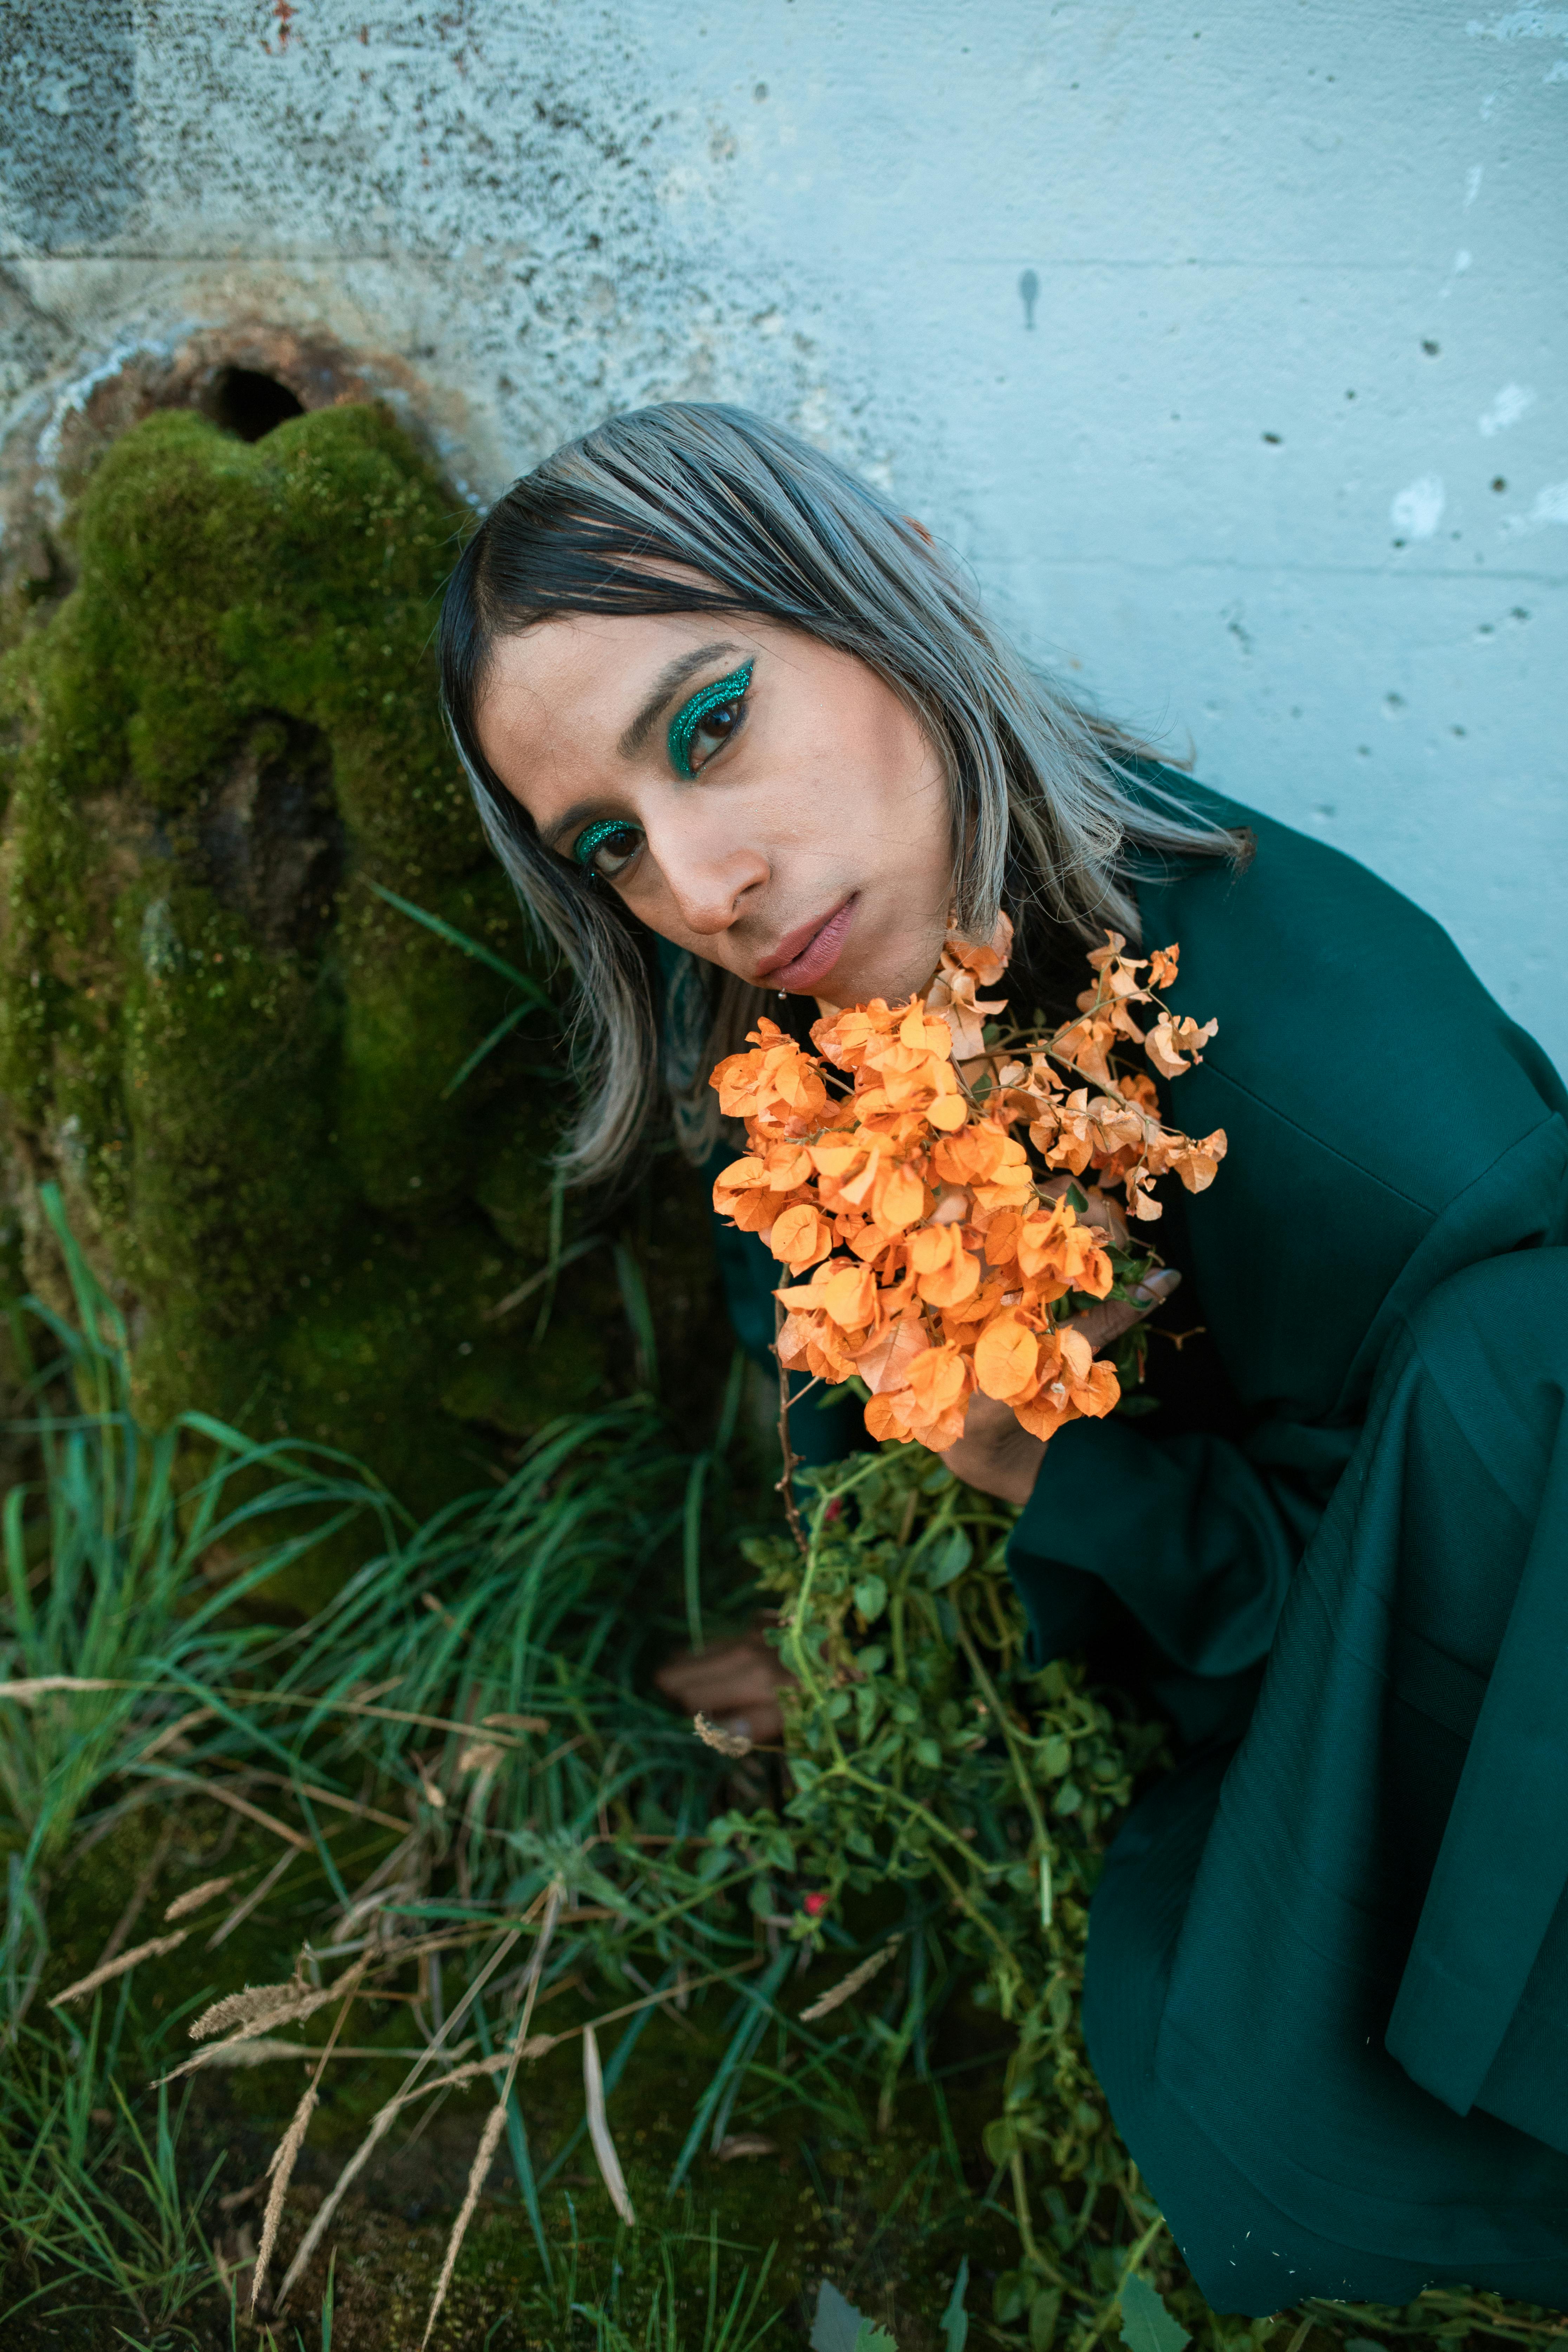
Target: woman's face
(750, 793)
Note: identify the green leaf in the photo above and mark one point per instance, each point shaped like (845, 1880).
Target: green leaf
(870, 1597)
(951, 1560)
(1010, 2297)
(1146, 2325)
(839, 2327)
(1043, 2313)
(954, 2320)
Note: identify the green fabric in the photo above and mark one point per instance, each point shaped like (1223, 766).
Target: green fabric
(1327, 1990)
(1328, 1979)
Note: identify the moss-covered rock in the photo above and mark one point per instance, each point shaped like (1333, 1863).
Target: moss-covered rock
(232, 1052)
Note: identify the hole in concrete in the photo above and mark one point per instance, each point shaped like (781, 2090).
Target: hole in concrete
(251, 404)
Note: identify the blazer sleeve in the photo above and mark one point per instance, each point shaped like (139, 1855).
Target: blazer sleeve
(1198, 1534)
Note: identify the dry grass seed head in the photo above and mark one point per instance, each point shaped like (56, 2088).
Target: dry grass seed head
(149, 1951)
(280, 2171)
(847, 1987)
(380, 2124)
(195, 1896)
(733, 1744)
(239, 2007)
(496, 2121)
(484, 2157)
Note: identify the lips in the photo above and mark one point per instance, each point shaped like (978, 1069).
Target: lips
(805, 955)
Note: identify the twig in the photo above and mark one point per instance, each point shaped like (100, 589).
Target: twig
(786, 1484)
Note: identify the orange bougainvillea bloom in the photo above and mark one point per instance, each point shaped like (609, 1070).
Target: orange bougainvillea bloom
(889, 1172)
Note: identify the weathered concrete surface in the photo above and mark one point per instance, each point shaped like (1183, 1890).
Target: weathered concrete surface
(1226, 342)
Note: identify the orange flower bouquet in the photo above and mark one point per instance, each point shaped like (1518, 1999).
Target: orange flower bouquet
(921, 1171)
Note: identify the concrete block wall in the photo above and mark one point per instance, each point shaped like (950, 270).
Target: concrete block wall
(1225, 341)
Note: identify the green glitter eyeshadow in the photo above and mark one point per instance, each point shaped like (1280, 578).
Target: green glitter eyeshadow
(594, 838)
(691, 715)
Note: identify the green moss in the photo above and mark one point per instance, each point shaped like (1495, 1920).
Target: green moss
(231, 1052)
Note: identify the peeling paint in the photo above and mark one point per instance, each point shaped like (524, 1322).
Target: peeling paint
(1514, 401)
(1417, 510)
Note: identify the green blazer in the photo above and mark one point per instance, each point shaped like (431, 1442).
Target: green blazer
(1351, 1189)
(1327, 1986)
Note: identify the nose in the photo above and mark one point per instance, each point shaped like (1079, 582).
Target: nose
(710, 880)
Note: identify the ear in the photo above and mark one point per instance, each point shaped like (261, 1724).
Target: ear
(920, 528)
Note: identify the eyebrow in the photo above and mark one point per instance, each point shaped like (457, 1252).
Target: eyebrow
(666, 686)
(672, 677)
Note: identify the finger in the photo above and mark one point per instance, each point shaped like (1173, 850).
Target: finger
(1101, 1325)
(1159, 1287)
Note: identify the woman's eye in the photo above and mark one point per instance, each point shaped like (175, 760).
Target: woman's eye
(607, 847)
(711, 730)
(706, 719)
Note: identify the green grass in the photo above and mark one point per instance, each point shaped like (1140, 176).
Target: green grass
(451, 1797)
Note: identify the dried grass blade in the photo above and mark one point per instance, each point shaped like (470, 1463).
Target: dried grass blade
(224, 1795)
(138, 1894)
(40, 1686)
(280, 2171)
(380, 2124)
(495, 2123)
(112, 1968)
(384, 1714)
(175, 1730)
(847, 1987)
(331, 1797)
(195, 1896)
(381, 2121)
(406, 1890)
(599, 2129)
(253, 1900)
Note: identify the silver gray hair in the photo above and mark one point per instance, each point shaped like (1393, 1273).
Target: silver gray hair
(1051, 806)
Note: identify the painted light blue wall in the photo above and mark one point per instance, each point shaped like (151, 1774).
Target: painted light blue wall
(1227, 343)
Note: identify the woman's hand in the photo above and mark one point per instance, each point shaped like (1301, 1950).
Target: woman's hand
(735, 1683)
(997, 1453)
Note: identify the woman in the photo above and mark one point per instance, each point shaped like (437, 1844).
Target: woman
(744, 738)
